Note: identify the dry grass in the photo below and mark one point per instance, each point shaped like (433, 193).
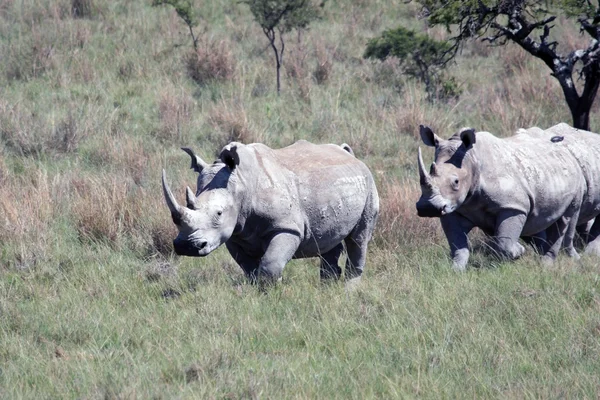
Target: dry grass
(211, 61)
(175, 108)
(116, 211)
(231, 123)
(27, 133)
(28, 206)
(398, 225)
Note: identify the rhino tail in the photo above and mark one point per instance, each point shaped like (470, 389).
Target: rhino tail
(347, 147)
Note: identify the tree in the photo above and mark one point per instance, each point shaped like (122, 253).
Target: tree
(528, 23)
(420, 57)
(277, 17)
(186, 12)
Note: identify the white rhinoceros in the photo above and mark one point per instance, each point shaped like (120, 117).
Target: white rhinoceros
(585, 148)
(511, 187)
(269, 206)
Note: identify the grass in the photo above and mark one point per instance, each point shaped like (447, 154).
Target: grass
(93, 304)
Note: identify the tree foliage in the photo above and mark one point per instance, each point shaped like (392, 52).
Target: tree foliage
(529, 23)
(277, 17)
(185, 10)
(420, 57)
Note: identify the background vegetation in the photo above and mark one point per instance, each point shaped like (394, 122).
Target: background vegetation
(97, 96)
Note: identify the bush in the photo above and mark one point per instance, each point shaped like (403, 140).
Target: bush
(211, 61)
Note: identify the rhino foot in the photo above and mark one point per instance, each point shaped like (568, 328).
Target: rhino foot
(352, 284)
(593, 247)
(548, 260)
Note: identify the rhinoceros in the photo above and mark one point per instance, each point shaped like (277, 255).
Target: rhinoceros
(269, 206)
(585, 148)
(511, 187)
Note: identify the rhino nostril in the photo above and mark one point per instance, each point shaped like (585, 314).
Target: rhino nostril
(202, 245)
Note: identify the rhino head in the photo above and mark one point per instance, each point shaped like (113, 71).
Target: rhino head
(452, 175)
(209, 217)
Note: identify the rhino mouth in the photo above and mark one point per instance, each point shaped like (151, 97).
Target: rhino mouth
(192, 249)
(431, 211)
(428, 211)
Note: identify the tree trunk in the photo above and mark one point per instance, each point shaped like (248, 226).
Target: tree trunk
(581, 119)
(278, 77)
(579, 105)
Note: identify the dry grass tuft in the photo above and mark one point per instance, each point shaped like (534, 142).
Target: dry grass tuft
(174, 113)
(232, 124)
(211, 61)
(126, 155)
(106, 209)
(27, 209)
(29, 134)
(398, 224)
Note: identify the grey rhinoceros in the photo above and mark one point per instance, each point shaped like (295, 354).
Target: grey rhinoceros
(585, 148)
(269, 206)
(511, 187)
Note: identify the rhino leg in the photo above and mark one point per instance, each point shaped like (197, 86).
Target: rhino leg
(593, 246)
(329, 263)
(457, 228)
(509, 225)
(538, 241)
(279, 251)
(248, 264)
(357, 242)
(561, 233)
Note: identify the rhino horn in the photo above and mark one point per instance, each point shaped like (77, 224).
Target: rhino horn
(197, 163)
(424, 176)
(190, 198)
(176, 209)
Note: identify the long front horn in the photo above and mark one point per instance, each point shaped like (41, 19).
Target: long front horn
(197, 163)
(423, 175)
(176, 211)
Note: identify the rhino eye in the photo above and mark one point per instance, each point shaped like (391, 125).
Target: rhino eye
(219, 213)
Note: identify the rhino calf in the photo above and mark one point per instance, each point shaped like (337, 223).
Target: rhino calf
(512, 187)
(269, 206)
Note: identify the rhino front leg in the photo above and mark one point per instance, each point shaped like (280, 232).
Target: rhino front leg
(509, 225)
(457, 228)
(247, 263)
(279, 250)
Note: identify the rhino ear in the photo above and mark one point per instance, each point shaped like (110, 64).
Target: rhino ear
(428, 137)
(197, 163)
(230, 157)
(467, 135)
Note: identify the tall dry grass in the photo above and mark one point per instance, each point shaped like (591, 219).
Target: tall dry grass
(212, 61)
(398, 226)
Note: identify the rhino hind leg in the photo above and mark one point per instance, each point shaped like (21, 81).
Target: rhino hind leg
(561, 234)
(358, 240)
(330, 268)
(357, 255)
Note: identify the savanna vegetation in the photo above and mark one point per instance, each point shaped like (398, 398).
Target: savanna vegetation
(97, 96)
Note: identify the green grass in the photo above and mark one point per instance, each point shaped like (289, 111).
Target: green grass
(93, 304)
(104, 324)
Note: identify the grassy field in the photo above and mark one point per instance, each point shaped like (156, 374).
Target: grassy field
(93, 304)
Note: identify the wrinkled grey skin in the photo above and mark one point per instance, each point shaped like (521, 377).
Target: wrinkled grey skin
(585, 148)
(503, 186)
(269, 206)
